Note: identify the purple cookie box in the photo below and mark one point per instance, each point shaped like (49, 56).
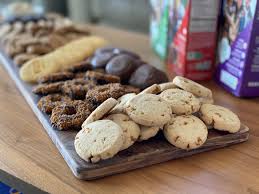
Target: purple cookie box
(239, 72)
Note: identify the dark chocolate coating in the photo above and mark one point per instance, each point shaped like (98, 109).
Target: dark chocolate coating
(116, 51)
(123, 66)
(147, 75)
(100, 60)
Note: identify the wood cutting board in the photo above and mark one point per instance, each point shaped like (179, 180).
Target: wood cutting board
(141, 154)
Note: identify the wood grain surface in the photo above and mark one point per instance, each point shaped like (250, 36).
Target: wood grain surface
(27, 152)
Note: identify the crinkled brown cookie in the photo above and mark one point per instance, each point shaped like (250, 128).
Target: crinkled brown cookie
(114, 90)
(77, 88)
(71, 115)
(47, 103)
(80, 67)
(54, 77)
(45, 89)
(101, 78)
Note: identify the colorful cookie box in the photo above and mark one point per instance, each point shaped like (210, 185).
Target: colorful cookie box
(193, 33)
(159, 26)
(238, 48)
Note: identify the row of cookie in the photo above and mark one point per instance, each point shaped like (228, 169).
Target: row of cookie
(134, 116)
(128, 66)
(61, 99)
(23, 41)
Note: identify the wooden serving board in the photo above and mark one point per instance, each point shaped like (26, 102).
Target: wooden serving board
(155, 150)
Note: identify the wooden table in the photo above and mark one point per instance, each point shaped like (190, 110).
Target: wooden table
(27, 152)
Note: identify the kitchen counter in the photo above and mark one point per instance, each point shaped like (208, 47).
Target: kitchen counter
(27, 152)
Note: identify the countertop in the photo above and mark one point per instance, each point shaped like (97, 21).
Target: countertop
(27, 152)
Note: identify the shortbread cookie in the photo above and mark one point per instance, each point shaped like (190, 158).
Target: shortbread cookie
(220, 118)
(147, 132)
(182, 102)
(186, 132)
(166, 86)
(130, 129)
(154, 89)
(100, 111)
(206, 100)
(60, 59)
(122, 103)
(99, 140)
(192, 87)
(149, 110)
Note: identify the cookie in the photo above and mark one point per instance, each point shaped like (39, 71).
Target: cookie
(192, 87)
(101, 78)
(130, 129)
(99, 140)
(154, 89)
(77, 88)
(47, 103)
(206, 100)
(22, 58)
(147, 132)
(182, 102)
(49, 88)
(149, 110)
(113, 90)
(71, 115)
(54, 77)
(122, 103)
(122, 65)
(166, 86)
(100, 111)
(82, 66)
(186, 132)
(147, 75)
(61, 58)
(100, 61)
(220, 118)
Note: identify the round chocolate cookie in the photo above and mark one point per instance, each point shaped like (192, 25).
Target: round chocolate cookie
(115, 50)
(103, 50)
(123, 51)
(147, 75)
(100, 60)
(123, 66)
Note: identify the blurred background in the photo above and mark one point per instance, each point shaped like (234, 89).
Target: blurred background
(127, 14)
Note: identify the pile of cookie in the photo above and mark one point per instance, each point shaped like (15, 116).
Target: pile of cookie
(182, 109)
(26, 38)
(70, 96)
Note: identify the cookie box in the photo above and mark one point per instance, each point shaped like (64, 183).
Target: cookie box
(192, 38)
(159, 26)
(238, 48)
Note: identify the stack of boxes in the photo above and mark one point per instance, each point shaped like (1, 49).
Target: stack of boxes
(185, 34)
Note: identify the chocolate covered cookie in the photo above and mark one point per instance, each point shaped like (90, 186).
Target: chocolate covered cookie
(100, 61)
(123, 66)
(147, 75)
